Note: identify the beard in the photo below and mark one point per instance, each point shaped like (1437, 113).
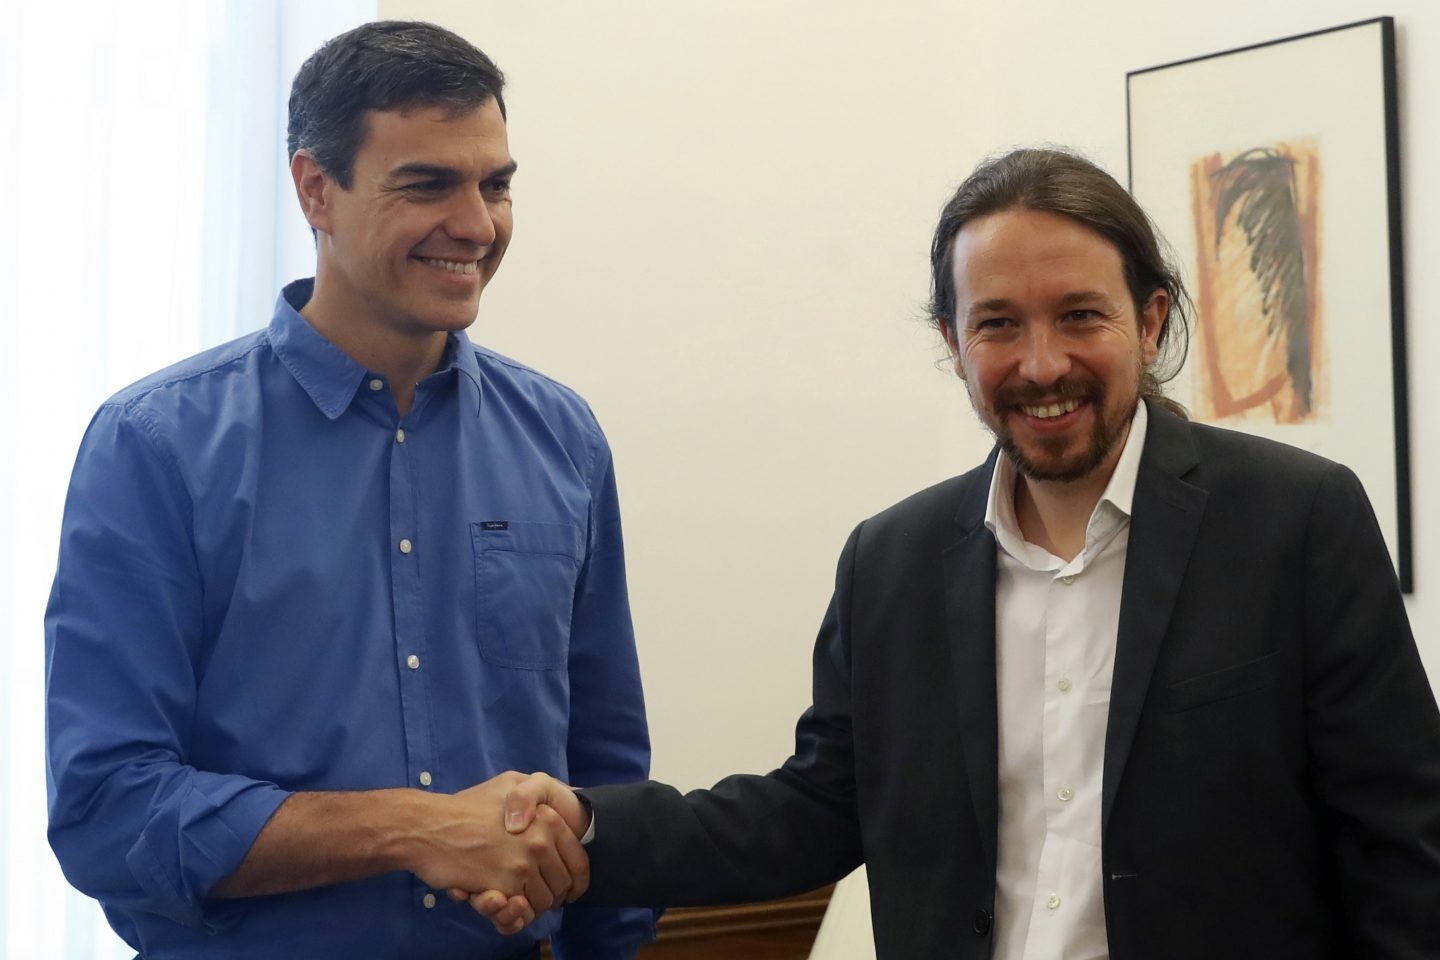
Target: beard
(1048, 459)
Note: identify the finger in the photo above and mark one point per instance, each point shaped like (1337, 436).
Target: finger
(577, 863)
(515, 916)
(551, 869)
(552, 882)
(458, 895)
(542, 789)
(488, 903)
(564, 801)
(544, 881)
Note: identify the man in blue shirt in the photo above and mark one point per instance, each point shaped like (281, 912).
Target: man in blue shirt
(319, 586)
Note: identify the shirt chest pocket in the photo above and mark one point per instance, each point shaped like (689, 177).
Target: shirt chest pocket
(525, 573)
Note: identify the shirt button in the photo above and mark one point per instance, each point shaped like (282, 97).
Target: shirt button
(425, 778)
(1067, 580)
(413, 662)
(1064, 684)
(1065, 793)
(406, 546)
(400, 435)
(429, 901)
(1053, 901)
(377, 384)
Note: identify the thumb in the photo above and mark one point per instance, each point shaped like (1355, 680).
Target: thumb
(520, 802)
(519, 812)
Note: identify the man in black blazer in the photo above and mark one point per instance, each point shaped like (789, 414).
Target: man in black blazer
(1134, 687)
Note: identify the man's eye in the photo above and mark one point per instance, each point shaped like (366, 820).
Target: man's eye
(1082, 316)
(991, 323)
(497, 188)
(425, 186)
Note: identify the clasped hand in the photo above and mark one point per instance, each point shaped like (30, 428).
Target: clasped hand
(538, 863)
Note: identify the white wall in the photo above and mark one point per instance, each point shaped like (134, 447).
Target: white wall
(723, 214)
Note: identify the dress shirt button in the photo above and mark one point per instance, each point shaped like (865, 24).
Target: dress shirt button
(1053, 901)
(413, 662)
(1064, 684)
(983, 921)
(406, 546)
(429, 901)
(1068, 580)
(400, 435)
(1065, 793)
(377, 384)
(425, 778)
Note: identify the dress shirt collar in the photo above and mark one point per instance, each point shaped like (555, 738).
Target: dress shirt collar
(326, 373)
(1119, 492)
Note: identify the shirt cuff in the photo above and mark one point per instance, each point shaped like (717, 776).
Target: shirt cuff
(590, 811)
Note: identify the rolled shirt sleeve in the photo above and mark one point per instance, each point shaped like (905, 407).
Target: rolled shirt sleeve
(132, 823)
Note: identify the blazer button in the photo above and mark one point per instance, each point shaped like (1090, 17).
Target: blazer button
(982, 922)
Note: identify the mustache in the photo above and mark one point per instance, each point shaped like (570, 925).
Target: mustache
(1066, 388)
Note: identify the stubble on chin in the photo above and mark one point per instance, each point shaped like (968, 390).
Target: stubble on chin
(1056, 469)
(1050, 463)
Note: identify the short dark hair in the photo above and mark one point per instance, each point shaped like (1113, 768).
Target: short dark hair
(1063, 183)
(386, 65)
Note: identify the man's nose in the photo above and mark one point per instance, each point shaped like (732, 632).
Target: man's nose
(1044, 358)
(470, 219)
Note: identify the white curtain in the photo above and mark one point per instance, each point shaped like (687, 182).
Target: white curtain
(145, 213)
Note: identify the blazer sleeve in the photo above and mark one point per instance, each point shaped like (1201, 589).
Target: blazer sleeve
(748, 837)
(1374, 730)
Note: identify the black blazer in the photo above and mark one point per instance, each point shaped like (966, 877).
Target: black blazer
(1272, 759)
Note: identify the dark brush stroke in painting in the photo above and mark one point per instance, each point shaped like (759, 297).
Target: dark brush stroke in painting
(1262, 183)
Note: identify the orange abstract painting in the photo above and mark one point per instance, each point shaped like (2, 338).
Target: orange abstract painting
(1259, 327)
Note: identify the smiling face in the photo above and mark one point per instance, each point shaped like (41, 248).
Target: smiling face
(1048, 342)
(407, 249)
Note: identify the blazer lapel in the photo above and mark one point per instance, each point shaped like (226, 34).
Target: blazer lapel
(969, 570)
(1165, 519)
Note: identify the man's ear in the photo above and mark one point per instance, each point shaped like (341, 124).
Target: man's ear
(952, 343)
(1152, 321)
(312, 187)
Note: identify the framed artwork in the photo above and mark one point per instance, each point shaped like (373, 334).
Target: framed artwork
(1273, 171)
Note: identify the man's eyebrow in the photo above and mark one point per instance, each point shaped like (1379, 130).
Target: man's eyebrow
(1083, 296)
(427, 171)
(1074, 298)
(506, 171)
(992, 305)
(437, 171)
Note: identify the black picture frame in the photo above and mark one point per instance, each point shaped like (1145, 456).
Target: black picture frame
(1317, 357)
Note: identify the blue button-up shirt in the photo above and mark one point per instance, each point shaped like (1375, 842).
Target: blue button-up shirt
(270, 581)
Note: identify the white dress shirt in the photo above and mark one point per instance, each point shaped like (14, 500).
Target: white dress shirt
(1055, 626)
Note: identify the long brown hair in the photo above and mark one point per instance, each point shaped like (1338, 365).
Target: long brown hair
(1058, 182)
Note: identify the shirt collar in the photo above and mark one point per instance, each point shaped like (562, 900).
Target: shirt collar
(460, 354)
(1119, 492)
(326, 373)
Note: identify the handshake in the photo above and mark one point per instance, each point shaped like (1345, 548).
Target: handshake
(511, 847)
